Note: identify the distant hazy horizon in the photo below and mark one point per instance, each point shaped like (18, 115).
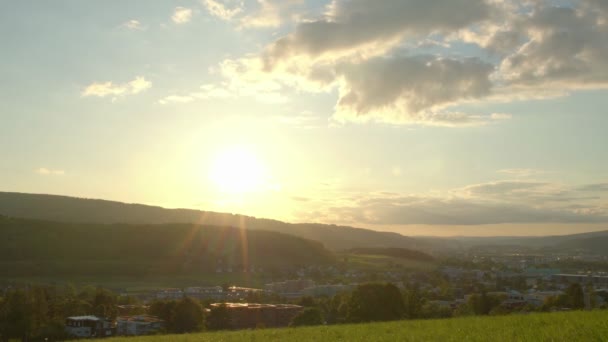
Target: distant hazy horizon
(450, 118)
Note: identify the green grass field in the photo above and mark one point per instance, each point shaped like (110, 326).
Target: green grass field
(563, 326)
(145, 283)
(386, 263)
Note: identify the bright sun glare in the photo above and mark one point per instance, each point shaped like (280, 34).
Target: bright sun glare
(237, 170)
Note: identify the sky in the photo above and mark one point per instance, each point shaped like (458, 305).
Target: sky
(446, 117)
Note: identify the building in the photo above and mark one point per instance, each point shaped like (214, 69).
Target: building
(88, 326)
(250, 315)
(583, 279)
(214, 292)
(138, 325)
(237, 293)
(290, 288)
(538, 298)
(170, 294)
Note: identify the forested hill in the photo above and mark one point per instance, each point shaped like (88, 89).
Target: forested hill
(50, 248)
(78, 210)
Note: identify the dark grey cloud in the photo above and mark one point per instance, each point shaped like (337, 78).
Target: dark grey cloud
(598, 187)
(351, 24)
(410, 86)
(489, 203)
(530, 49)
(434, 211)
(566, 47)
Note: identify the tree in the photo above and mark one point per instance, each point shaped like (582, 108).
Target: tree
(483, 304)
(335, 308)
(104, 303)
(188, 316)
(575, 298)
(308, 316)
(413, 302)
(16, 316)
(375, 302)
(307, 302)
(219, 318)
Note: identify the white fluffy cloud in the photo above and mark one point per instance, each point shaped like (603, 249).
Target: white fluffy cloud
(49, 172)
(133, 24)
(104, 89)
(369, 53)
(223, 9)
(271, 13)
(181, 15)
(413, 89)
(566, 48)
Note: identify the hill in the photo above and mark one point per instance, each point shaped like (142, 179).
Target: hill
(79, 210)
(591, 242)
(43, 248)
(597, 244)
(563, 326)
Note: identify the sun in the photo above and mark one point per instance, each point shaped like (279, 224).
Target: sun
(237, 171)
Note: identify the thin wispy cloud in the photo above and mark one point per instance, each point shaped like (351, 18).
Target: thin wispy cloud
(521, 172)
(49, 172)
(181, 15)
(223, 9)
(133, 25)
(103, 89)
(477, 204)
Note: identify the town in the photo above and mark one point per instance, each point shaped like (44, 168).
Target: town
(483, 283)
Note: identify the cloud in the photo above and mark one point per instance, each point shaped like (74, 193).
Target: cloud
(133, 25)
(49, 172)
(411, 89)
(566, 48)
(137, 85)
(435, 211)
(377, 57)
(271, 13)
(224, 10)
(477, 204)
(598, 187)
(181, 15)
(520, 172)
(349, 26)
(500, 116)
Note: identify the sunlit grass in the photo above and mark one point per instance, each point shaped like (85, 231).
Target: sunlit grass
(382, 262)
(565, 326)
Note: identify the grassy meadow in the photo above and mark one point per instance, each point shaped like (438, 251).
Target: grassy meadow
(562, 326)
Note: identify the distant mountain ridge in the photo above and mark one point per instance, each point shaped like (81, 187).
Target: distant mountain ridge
(79, 210)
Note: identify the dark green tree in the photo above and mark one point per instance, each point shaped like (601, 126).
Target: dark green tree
(413, 302)
(375, 302)
(307, 301)
(16, 316)
(219, 318)
(575, 298)
(104, 303)
(308, 316)
(188, 316)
